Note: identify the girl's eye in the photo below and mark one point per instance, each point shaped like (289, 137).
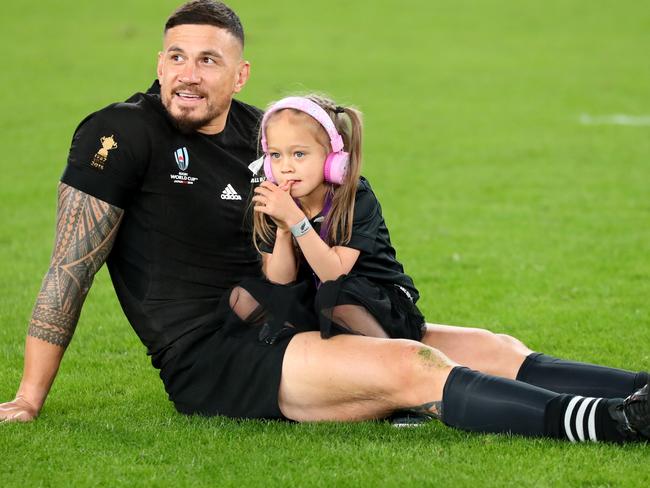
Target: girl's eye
(299, 154)
(274, 155)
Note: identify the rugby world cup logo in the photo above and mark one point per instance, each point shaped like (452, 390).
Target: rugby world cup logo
(182, 158)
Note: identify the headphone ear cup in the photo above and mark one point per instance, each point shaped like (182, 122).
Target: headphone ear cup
(336, 167)
(268, 170)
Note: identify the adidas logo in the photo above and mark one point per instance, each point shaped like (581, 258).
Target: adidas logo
(229, 193)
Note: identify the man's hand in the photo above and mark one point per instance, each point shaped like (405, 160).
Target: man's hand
(18, 410)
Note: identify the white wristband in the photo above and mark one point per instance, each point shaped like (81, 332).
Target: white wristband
(301, 228)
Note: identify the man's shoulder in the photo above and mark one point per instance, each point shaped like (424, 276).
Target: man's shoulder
(137, 119)
(243, 124)
(244, 116)
(246, 110)
(141, 108)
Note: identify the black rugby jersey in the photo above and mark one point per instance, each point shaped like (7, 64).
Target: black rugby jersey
(184, 239)
(377, 260)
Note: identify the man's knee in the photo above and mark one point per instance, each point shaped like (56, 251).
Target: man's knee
(414, 367)
(498, 340)
(513, 343)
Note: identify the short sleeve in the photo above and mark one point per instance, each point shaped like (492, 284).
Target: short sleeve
(108, 155)
(367, 219)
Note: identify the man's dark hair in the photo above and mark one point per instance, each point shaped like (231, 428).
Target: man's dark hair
(207, 12)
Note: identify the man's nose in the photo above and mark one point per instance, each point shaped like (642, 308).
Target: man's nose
(190, 74)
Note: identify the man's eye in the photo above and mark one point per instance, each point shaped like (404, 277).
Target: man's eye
(208, 60)
(176, 57)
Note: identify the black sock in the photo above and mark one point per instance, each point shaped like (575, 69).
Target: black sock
(479, 402)
(579, 378)
(580, 419)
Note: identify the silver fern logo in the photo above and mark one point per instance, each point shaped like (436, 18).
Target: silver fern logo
(182, 158)
(255, 168)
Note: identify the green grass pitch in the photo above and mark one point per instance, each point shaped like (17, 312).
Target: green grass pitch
(513, 197)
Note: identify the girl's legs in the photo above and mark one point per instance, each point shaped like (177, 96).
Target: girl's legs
(355, 319)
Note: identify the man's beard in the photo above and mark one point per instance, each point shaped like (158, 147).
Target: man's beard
(185, 122)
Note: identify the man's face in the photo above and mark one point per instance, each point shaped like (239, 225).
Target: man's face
(200, 69)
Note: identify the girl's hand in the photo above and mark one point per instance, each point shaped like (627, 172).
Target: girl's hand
(276, 202)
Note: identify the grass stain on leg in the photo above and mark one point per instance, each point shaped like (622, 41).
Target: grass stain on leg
(432, 358)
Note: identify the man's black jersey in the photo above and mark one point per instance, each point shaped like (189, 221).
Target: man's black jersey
(377, 260)
(184, 239)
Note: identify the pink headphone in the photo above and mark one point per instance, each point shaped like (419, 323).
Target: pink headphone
(336, 164)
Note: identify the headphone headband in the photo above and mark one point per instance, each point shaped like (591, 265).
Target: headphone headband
(310, 108)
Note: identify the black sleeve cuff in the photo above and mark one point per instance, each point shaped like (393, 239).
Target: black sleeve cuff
(98, 185)
(362, 243)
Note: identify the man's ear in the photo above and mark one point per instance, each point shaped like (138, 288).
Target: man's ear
(159, 67)
(242, 76)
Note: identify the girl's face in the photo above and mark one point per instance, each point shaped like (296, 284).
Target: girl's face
(298, 146)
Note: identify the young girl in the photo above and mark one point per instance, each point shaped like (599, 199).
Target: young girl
(320, 229)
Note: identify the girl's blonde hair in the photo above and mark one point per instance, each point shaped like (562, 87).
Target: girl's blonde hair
(348, 123)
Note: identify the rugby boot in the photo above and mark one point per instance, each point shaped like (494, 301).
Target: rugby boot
(633, 415)
(405, 418)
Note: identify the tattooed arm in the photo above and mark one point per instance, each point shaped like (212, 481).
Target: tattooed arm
(85, 233)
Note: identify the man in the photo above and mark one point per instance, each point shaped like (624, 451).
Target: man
(157, 188)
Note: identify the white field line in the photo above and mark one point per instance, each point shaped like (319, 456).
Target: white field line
(615, 119)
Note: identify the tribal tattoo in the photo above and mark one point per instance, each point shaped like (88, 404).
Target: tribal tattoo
(432, 410)
(85, 233)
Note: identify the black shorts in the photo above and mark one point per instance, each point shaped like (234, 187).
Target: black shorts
(233, 366)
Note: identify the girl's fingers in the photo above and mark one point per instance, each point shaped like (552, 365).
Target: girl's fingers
(267, 185)
(261, 200)
(261, 209)
(287, 186)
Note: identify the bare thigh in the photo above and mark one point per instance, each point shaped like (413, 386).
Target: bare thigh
(479, 349)
(351, 377)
